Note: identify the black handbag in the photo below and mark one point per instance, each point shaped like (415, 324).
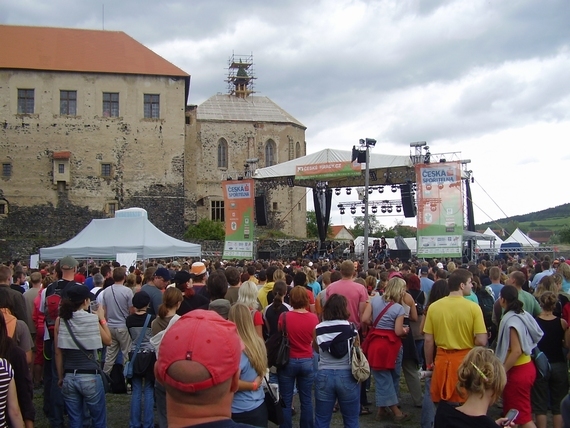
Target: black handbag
(284, 347)
(274, 405)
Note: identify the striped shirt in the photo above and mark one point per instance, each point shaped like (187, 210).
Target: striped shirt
(6, 375)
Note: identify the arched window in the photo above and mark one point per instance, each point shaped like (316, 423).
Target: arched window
(298, 150)
(270, 153)
(222, 153)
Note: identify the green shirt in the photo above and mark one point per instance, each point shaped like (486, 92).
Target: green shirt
(529, 303)
(472, 297)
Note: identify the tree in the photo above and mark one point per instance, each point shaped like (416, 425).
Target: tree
(374, 226)
(564, 235)
(312, 228)
(207, 230)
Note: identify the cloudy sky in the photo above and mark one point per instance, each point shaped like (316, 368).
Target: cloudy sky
(486, 78)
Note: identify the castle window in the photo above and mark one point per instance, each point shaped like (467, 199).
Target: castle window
(68, 103)
(217, 210)
(25, 101)
(111, 208)
(151, 106)
(270, 153)
(106, 170)
(61, 168)
(6, 169)
(3, 208)
(298, 150)
(222, 153)
(110, 104)
(275, 206)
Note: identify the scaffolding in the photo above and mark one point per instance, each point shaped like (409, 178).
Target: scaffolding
(241, 75)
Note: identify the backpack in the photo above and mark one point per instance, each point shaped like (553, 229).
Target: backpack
(420, 299)
(118, 384)
(10, 320)
(52, 303)
(486, 303)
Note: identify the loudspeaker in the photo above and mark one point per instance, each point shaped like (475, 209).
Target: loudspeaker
(403, 255)
(261, 210)
(408, 200)
(264, 255)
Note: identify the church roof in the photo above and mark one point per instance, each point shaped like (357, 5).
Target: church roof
(77, 50)
(250, 109)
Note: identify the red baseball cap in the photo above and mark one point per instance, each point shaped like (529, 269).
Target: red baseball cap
(202, 337)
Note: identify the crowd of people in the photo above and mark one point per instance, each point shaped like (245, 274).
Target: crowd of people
(462, 336)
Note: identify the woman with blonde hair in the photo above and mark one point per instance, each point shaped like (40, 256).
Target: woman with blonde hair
(383, 346)
(312, 280)
(248, 405)
(451, 267)
(564, 270)
(482, 376)
(247, 295)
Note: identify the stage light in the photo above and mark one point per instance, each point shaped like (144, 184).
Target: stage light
(383, 209)
(394, 188)
(348, 190)
(363, 210)
(340, 206)
(370, 190)
(472, 180)
(342, 211)
(442, 160)
(374, 209)
(398, 209)
(381, 189)
(337, 191)
(390, 209)
(353, 210)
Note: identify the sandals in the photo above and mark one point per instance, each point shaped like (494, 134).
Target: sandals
(402, 418)
(365, 411)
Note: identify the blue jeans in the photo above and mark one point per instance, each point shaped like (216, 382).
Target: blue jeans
(54, 405)
(84, 389)
(333, 385)
(428, 408)
(142, 387)
(302, 371)
(420, 351)
(387, 384)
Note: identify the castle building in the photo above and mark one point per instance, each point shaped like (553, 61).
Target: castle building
(93, 121)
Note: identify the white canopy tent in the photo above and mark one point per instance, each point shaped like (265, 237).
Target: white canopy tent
(487, 244)
(105, 238)
(519, 237)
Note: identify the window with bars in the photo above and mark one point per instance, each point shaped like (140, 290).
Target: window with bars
(6, 169)
(222, 153)
(68, 103)
(61, 168)
(111, 208)
(105, 169)
(110, 104)
(151, 106)
(25, 101)
(270, 154)
(217, 210)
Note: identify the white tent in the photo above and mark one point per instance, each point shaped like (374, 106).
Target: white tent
(488, 244)
(105, 238)
(519, 237)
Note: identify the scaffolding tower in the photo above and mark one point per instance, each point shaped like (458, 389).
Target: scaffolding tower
(240, 75)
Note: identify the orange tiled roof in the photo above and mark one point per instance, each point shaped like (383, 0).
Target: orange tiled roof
(69, 49)
(61, 155)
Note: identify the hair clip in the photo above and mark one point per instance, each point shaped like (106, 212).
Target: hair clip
(479, 371)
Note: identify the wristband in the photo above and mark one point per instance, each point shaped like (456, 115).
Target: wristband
(255, 386)
(103, 322)
(429, 367)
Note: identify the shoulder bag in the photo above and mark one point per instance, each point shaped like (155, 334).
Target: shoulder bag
(284, 348)
(358, 362)
(130, 365)
(91, 357)
(274, 405)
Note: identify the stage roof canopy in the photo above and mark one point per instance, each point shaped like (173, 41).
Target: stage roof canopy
(384, 170)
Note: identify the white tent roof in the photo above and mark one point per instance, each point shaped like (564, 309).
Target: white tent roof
(395, 169)
(105, 238)
(489, 231)
(519, 237)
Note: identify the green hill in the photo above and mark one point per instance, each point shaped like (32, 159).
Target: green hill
(554, 219)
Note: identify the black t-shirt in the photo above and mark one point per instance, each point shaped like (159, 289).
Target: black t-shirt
(448, 416)
(197, 301)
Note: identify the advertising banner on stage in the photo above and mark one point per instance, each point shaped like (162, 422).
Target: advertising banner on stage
(238, 214)
(440, 210)
(326, 170)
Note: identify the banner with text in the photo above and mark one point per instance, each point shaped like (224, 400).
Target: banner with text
(322, 171)
(238, 215)
(440, 210)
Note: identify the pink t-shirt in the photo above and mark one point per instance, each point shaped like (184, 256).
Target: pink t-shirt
(354, 293)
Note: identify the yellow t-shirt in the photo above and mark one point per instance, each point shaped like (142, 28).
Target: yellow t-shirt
(454, 322)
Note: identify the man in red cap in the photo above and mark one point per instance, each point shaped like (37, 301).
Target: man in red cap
(198, 363)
